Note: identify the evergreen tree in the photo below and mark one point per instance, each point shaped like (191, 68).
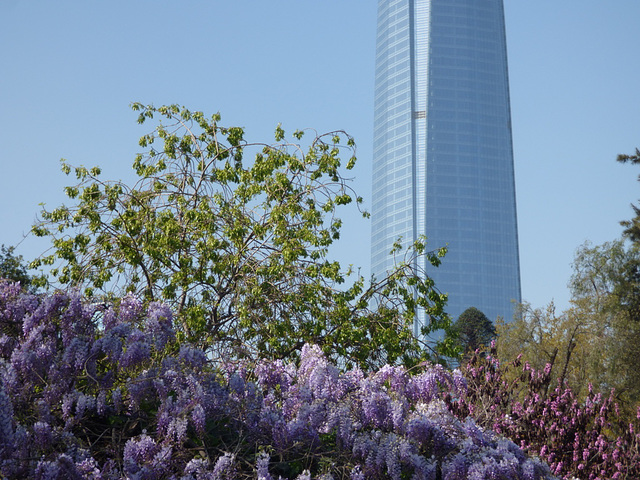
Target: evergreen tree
(474, 330)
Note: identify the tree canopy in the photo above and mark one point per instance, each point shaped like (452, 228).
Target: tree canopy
(239, 248)
(594, 342)
(605, 289)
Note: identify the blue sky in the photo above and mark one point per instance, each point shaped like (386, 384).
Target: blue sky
(70, 69)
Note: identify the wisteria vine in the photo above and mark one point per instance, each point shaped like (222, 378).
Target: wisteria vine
(106, 392)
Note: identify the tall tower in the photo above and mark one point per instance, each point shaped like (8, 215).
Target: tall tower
(443, 156)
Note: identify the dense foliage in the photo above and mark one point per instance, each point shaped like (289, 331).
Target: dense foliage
(579, 439)
(97, 392)
(606, 292)
(239, 248)
(597, 340)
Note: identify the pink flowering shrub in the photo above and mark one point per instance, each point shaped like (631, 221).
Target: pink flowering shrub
(106, 392)
(584, 440)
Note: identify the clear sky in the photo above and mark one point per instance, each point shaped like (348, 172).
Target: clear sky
(70, 69)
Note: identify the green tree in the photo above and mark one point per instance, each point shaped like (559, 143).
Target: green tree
(564, 340)
(12, 267)
(605, 290)
(238, 248)
(474, 330)
(595, 341)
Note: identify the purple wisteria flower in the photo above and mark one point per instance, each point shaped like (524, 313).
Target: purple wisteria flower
(225, 468)
(120, 398)
(130, 309)
(135, 354)
(262, 466)
(158, 323)
(145, 459)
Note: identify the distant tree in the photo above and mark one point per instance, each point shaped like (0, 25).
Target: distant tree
(594, 342)
(605, 289)
(474, 330)
(567, 341)
(239, 248)
(12, 267)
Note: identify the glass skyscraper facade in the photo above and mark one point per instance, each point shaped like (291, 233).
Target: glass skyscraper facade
(443, 157)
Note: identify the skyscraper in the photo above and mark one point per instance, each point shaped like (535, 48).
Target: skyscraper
(443, 157)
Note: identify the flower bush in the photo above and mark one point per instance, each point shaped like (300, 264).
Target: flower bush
(585, 440)
(105, 392)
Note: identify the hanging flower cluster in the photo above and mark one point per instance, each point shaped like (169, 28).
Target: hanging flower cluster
(106, 392)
